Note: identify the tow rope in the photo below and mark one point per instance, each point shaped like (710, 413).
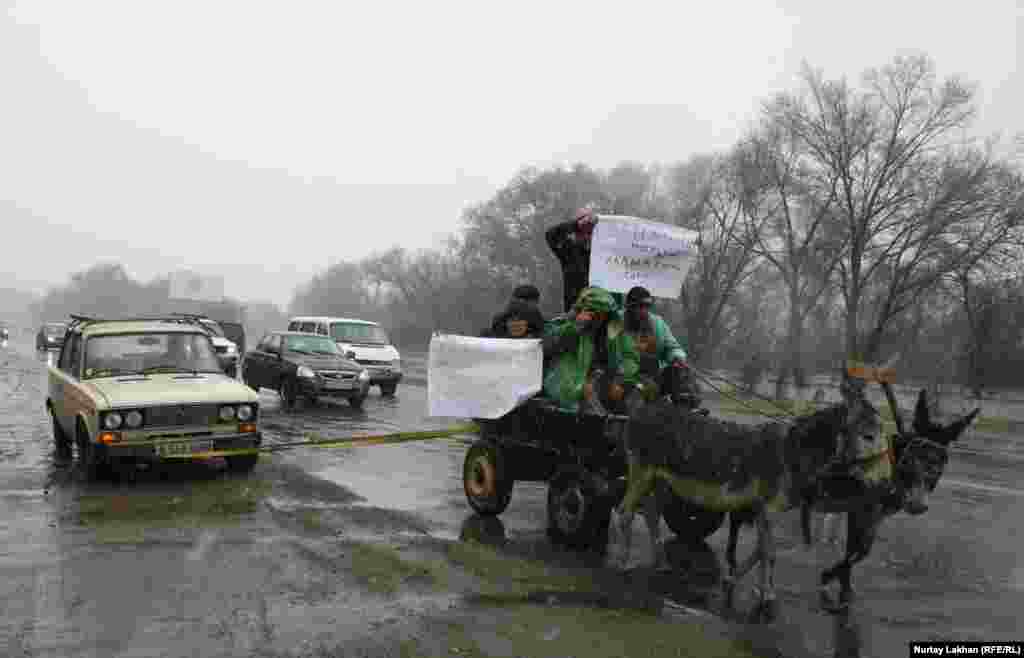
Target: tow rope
(350, 441)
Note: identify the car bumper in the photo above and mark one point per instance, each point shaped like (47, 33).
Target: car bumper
(314, 388)
(222, 445)
(384, 377)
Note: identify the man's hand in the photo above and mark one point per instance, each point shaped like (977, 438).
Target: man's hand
(585, 221)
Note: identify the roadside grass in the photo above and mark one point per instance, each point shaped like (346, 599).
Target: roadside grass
(513, 577)
(383, 570)
(124, 517)
(759, 407)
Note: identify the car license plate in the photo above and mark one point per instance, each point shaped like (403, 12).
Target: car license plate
(183, 448)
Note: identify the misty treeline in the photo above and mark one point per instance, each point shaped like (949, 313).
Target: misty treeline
(850, 221)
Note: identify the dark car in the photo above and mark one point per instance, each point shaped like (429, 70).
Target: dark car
(304, 366)
(51, 336)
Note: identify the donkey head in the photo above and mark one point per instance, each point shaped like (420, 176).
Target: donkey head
(921, 457)
(863, 429)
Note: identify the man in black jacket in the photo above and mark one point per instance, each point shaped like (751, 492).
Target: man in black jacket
(570, 242)
(521, 318)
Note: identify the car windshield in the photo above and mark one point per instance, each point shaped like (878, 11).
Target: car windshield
(311, 345)
(350, 332)
(147, 353)
(214, 327)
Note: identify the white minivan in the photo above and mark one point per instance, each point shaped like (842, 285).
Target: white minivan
(366, 342)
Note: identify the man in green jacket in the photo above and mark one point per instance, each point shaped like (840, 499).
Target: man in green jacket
(661, 356)
(590, 359)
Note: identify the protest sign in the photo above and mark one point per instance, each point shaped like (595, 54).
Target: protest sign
(630, 251)
(469, 377)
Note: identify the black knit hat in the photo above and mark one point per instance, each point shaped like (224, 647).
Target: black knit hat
(526, 292)
(638, 296)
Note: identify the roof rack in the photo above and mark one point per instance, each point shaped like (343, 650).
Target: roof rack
(182, 318)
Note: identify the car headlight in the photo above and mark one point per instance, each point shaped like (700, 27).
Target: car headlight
(364, 375)
(305, 371)
(227, 413)
(244, 413)
(231, 349)
(133, 419)
(112, 421)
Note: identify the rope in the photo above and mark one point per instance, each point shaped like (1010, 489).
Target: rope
(377, 439)
(791, 419)
(747, 390)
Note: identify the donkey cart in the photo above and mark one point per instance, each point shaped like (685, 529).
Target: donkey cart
(583, 460)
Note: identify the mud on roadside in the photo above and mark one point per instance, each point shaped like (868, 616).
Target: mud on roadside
(281, 563)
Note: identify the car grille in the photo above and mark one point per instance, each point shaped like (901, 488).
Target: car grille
(372, 362)
(179, 415)
(335, 375)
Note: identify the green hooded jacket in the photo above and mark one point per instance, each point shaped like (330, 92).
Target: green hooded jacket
(564, 379)
(667, 347)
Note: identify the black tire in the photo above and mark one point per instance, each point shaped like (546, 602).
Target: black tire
(89, 455)
(484, 479)
(690, 523)
(388, 390)
(357, 402)
(289, 393)
(242, 463)
(578, 516)
(61, 439)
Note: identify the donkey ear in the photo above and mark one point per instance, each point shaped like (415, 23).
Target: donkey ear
(922, 421)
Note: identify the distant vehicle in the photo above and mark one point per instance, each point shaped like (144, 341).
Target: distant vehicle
(148, 389)
(228, 351)
(365, 342)
(51, 336)
(307, 366)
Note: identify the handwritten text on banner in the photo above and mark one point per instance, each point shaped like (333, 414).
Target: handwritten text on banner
(629, 251)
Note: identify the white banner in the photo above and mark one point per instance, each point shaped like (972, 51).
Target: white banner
(469, 377)
(197, 287)
(629, 251)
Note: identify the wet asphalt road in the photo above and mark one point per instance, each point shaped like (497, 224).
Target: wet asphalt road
(953, 573)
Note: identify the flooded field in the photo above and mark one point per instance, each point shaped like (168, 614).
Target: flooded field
(191, 562)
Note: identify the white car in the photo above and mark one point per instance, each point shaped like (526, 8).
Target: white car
(148, 389)
(361, 340)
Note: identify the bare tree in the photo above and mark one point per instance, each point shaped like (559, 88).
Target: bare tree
(913, 204)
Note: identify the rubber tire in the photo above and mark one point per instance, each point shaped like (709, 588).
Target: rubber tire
(690, 523)
(63, 443)
(241, 463)
(289, 393)
(584, 529)
(487, 452)
(388, 390)
(357, 402)
(92, 463)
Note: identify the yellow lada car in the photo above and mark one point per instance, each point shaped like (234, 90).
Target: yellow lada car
(148, 389)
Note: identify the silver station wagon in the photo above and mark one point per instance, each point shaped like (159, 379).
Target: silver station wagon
(148, 389)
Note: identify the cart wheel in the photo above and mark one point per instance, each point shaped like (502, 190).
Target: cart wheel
(487, 488)
(578, 516)
(689, 522)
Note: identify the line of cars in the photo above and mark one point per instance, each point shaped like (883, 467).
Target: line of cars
(148, 389)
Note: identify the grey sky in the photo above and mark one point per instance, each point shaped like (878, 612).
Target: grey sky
(267, 141)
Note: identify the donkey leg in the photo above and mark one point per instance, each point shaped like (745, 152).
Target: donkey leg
(861, 531)
(652, 515)
(768, 606)
(641, 483)
(729, 582)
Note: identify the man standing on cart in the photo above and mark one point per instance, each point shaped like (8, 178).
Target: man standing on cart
(591, 359)
(570, 242)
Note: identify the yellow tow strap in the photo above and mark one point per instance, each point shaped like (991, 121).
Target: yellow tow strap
(350, 441)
